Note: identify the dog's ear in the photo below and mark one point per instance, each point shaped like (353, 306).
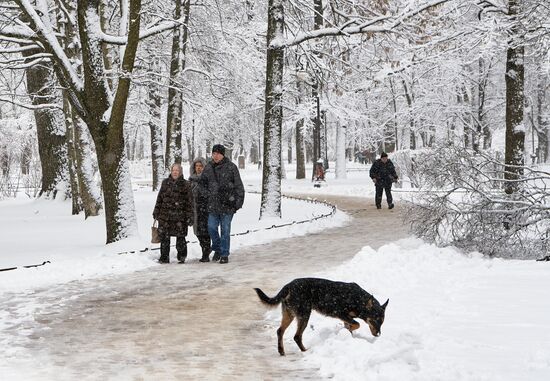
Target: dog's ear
(385, 304)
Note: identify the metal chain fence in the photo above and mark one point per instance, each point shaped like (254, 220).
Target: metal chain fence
(250, 231)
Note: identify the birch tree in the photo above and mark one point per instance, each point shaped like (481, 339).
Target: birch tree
(175, 96)
(273, 121)
(155, 128)
(340, 169)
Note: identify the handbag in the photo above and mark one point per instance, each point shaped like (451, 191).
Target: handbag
(155, 233)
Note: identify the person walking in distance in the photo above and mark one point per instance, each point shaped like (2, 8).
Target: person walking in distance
(174, 212)
(200, 196)
(382, 173)
(225, 190)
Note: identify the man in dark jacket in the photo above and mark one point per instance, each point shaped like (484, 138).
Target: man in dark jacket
(225, 189)
(174, 212)
(383, 174)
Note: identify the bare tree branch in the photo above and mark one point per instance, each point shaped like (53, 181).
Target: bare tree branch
(30, 106)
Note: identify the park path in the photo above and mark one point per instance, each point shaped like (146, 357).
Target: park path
(188, 322)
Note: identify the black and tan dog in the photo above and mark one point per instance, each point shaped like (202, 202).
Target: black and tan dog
(340, 300)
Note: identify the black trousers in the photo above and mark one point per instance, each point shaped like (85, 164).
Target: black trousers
(204, 241)
(181, 246)
(379, 190)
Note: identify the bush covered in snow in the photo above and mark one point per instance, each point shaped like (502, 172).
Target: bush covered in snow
(462, 202)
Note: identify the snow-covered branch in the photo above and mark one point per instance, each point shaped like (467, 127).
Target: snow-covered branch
(148, 32)
(19, 49)
(17, 33)
(30, 106)
(47, 36)
(462, 202)
(25, 58)
(382, 24)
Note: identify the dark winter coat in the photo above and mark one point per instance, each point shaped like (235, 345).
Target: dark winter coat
(224, 186)
(174, 207)
(200, 198)
(384, 173)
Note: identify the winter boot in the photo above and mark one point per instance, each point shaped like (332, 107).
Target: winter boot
(182, 255)
(205, 256)
(224, 260)
(216, 257)
(164, 250)
(390, 206)
(181, 246)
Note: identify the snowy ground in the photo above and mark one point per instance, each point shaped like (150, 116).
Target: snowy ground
(451, 316)
(38, 231)
(34, 231)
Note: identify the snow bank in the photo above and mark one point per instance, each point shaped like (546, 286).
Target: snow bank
(451, 316)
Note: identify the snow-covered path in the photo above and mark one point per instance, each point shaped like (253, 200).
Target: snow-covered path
(191, 321)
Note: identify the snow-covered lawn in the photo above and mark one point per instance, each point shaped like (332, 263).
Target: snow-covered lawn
(34, 231)
(451, 316)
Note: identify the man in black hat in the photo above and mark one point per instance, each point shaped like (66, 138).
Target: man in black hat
(225, 191)
(383, 175)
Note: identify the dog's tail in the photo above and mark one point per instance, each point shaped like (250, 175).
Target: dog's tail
(272, 301)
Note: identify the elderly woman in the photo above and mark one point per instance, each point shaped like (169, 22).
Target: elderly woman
(200, 195)
(174, 212)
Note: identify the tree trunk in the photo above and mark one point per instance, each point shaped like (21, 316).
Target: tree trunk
(543, 132)
(157, 158)
(394, 106)
(412, 136)
(190, 153)
(316, 88)
(90, 194)
(82, 156)
(465, 110)
(300, 154)
(514, 77)
(309, 152)
(175, 96)
(299, 128)
(254, 156)
(105, 48)
(273, 120)
(289, 148)
(340, 170)
(70, 138)
(106, 119)
(483, 128)
(42, 88)
(82, 152)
